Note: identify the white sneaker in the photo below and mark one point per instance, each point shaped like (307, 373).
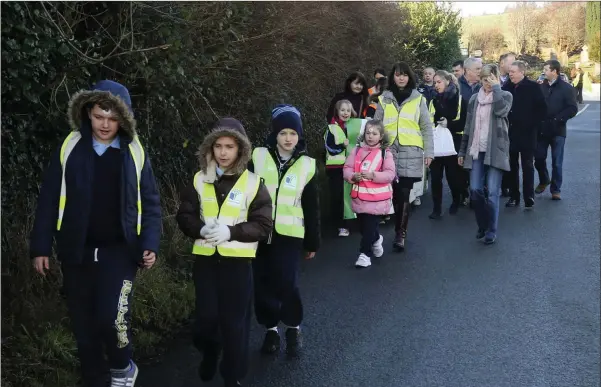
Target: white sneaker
(377, 247)
(417, 202)
(125, 378)
(363, 261)
(343, 232)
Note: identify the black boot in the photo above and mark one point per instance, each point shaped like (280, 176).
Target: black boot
(401, 232)
(208, 366)
(293, 342)
(271, 343)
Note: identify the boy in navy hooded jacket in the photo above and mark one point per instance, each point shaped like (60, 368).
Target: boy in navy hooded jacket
(100, 200)
(291, 178)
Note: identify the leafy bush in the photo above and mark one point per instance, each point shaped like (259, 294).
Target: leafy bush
(185, 64)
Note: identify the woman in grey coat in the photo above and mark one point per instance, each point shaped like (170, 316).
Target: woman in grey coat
(407, 121)
(485, 150)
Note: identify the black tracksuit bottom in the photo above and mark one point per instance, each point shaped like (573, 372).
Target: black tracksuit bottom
(445, 165)
(224, 287)
(277, 296)
(336, 185)
(98, 293)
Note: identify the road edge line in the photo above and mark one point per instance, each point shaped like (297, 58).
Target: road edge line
(583, 109)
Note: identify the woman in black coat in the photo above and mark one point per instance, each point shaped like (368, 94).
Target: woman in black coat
(356, 91)
(449, 111)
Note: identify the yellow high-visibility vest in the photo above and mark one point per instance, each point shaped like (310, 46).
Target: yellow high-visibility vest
(137, 154)
(286, 194)
(233, 210)
(433, 111)
(339, 138)
(403, 124)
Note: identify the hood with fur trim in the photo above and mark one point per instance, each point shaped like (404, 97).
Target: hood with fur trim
(106, 93)
(229, 127)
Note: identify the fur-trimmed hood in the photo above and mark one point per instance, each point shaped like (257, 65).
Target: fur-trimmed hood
(224, 127)
(112, 94)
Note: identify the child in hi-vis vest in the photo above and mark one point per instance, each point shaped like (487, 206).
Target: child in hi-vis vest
(371, 170)
(336, 141)
(290, 177)
(227, 210)
(100, 201)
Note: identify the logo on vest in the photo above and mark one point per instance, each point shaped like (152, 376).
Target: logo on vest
(365, 165)
(235, 197)
(290, 181)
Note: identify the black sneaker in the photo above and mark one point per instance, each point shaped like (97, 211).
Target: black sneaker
(232, 383)
(490, 238)
(454, 208)
(481, 233)
(512, 203)
(271, 343)
(529, 203)
(293, 342)
(208, 366)
(435, 215)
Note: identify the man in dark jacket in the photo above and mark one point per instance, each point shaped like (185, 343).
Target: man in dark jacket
(469, 84)
(226, 210)
(99, 198)
(527, 112)
(291, 178)
(561, 106)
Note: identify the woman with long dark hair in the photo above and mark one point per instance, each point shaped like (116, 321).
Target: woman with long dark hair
(406, 118)
(356, 91)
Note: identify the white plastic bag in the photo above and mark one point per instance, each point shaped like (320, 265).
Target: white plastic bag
(443, 142)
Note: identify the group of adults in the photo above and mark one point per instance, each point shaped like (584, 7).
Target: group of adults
(498, 118)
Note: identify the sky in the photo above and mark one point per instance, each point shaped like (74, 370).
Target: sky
(473, 8)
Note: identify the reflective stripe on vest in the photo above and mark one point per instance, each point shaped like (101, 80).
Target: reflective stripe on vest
(368, 190)
(287, 210)
(233, 210)
(433, 111)
(137, 154)
(339, 138)
(404, 124)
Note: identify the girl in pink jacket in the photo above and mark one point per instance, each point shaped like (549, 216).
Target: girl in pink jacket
(370, 168)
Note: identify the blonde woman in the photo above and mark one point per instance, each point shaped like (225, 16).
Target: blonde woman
(485, 150)
(449, 112)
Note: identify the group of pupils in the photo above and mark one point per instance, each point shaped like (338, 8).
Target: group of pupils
(253, 216)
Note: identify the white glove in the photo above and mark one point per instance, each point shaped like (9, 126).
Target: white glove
(218, 235)
(204, 231)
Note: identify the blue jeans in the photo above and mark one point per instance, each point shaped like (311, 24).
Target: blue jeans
(486, 205)
(557, 144)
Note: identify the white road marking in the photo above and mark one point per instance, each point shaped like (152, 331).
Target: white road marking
(583, 109)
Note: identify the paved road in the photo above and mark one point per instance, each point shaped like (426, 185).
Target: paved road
(451, 311)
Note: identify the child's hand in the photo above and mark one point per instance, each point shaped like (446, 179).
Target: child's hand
(309, 255)
(367, 175)
(346, 142)
(357, 177)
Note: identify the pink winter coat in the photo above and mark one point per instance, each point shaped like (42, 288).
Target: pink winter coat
(386, 175)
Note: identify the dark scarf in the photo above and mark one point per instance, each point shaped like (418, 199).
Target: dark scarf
(400, 95)
(449, 92)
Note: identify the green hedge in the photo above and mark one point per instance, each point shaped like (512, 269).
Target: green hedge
(185, 64)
